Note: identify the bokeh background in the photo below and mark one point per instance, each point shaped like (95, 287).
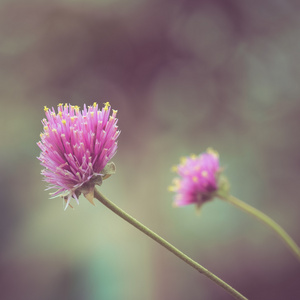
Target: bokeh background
(184, 75)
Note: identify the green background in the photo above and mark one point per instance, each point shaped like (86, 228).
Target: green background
(184, 75)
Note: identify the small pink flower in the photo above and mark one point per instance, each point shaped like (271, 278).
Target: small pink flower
(76, 148)
(198, 178)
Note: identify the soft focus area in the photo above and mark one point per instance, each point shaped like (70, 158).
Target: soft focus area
(184, 76)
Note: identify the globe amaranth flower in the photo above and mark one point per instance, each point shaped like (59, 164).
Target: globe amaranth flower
(76, 147)
(199, 179)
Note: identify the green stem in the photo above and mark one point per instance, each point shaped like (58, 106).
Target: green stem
(266, 220)
(167, 245)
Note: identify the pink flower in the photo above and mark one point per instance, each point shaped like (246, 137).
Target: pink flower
(199, 178)
(76, 148)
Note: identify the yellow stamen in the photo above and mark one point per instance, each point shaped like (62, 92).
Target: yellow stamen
(64, 121)
(183, 160)
(193, 156)
(95, 104)
(171, 188)
(46, 108)
(46, 128)
(174, 169)
(59, 104)
(107, 105)
(213, 152)
(60, 113)
(204, 173)
(92, 114)
(176, 181)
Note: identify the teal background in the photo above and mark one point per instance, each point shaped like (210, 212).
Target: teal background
(184, 75)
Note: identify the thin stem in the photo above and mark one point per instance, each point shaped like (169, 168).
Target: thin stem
(167, 245)
(266, 220)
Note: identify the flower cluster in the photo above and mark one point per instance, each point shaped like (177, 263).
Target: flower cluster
(199, 178)
(76, 147)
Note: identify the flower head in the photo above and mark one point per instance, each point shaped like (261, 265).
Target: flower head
(76, 147)
(198, 178)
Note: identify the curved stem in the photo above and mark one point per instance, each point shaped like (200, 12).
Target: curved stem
(266, 220)
(167, 245)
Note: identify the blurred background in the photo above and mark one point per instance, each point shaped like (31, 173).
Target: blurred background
(184, 75)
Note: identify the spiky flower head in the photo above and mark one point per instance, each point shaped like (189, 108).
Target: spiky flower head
(76, 147)
(199, 178)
